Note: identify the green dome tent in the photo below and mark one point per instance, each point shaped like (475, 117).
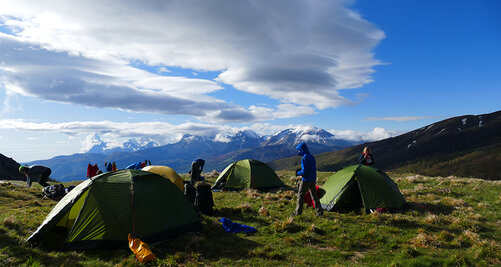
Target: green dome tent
(248, 173)
(361, 186)
(100, 212)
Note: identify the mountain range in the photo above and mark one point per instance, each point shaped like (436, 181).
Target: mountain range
(218, 151)
(467, 146)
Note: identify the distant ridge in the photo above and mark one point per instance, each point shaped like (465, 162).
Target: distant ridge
(218, 151)
(468, 146)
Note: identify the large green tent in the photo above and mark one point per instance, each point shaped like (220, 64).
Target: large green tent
(248, 173)
(361, 186)
(100, 212)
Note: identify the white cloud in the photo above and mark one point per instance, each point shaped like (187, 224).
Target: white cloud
(96, 131)
(90, 141)
(401, 118)
(77, 80)
(376, 134)
(298, 52)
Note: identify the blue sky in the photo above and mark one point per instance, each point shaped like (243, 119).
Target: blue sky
(74, 73)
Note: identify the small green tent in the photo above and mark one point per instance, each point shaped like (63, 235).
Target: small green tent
(248, 173)
(100, 212)
(361, 186)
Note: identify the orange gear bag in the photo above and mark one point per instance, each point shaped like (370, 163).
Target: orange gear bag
(141, 250)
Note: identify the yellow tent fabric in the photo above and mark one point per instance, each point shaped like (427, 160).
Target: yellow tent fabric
(166, 172)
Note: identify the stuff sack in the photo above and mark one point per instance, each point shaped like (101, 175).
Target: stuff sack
(203, 200)
(141, 250)
(55, 192)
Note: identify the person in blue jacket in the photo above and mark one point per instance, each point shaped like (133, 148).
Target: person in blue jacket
(308, 172)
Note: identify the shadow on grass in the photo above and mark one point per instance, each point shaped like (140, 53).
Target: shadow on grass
(7, 241)
(437, 209)
(23, 253)
(212, 243)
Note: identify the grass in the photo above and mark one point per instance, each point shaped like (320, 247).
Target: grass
(452, 221)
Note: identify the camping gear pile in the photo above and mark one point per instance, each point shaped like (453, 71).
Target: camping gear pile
(56, 192)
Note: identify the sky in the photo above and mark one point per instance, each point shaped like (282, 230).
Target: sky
(76, 72)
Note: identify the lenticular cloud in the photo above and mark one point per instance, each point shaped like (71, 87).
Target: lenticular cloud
(297, 52)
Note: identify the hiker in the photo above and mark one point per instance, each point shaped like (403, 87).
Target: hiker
(114, 167)
(366, 158)
(308, 172)
(196, 170)
(92, 170)
(145, 163)
(37, 172)
(108, 166)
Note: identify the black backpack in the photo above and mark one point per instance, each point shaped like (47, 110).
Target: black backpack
(203, 200)
(189, 191)
(55, 192)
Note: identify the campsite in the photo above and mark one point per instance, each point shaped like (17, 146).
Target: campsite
(450, 221)
(250, 133)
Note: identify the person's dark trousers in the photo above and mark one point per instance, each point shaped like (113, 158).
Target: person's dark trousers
(44, 177)
(28, 181)
(304, 187)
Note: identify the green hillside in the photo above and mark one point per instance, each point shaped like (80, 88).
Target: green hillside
(451, 221)
(466, 146)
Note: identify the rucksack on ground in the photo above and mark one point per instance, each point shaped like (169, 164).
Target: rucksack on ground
(190, 191)
(55, 192)
(204, 202)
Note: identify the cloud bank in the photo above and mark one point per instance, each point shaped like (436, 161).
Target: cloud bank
(300, 53)
(376, 134)
(115, 133)
(401, 118)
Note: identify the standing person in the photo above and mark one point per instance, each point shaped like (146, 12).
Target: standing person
(108, 166)
(145, 163)
(37, 172)
(309, 178)
(92, 170)
(114, 167)
(366, 158)
(197, 167)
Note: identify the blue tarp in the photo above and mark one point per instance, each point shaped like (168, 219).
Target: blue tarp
(233, 227)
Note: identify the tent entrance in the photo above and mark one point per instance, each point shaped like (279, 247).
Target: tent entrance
(350, 199)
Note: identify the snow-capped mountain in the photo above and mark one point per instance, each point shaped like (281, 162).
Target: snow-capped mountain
(307, 134)
(218, 150)
(221, 142)
(131, 145)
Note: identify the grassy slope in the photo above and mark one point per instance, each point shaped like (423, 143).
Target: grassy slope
(453, 221)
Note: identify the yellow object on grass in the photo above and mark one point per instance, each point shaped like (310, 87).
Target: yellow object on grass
(141, 250)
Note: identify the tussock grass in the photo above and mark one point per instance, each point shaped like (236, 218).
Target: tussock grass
(450, 221)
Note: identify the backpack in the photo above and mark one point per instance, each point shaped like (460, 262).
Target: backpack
(55, 192)
(203, 199)
(189, 191)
